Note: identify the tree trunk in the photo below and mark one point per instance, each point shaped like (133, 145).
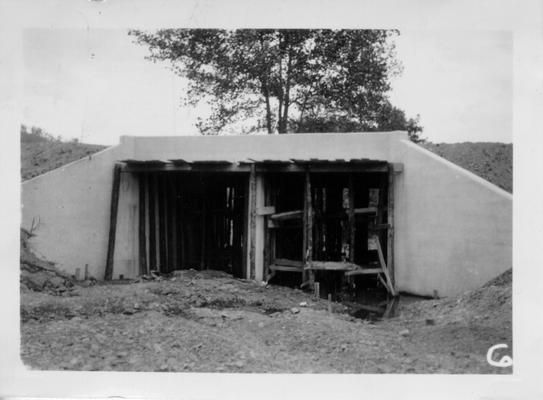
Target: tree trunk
(266, 90)
(284, 121)
(268, 111)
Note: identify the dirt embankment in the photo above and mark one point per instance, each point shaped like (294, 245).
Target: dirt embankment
(491, 161)
(210, 322)
(39, 275)
(40, 157)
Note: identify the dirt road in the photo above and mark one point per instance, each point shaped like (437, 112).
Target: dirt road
(209, 322)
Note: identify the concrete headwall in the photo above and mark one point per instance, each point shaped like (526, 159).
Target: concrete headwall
(373, 145)
(453, 230)
(71, 206)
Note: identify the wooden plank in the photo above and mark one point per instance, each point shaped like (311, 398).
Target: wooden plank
(245, 167)
(203, 225)
(252, 223)
(152, 221)
(287, 262)
(308, 232)
(391, 308)
(263, 211)
(365, 210)
(182, 228)
(384, 267)
(332, 266)
(162, 237)
(381, 226)
(114, 207)
(272, 232)
(287, 215)
(383, 282)
(364, 271)
(274, 267)
(351, 219)
(390, 222)
(173, 221)
(142, 237)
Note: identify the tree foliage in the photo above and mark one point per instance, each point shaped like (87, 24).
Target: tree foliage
(284, 80)
(36, 134)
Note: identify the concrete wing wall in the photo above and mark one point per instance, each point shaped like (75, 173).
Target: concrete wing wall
(72, 205)
(453, 230)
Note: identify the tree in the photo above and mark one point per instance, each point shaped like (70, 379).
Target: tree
(35, 134)
(281, 80)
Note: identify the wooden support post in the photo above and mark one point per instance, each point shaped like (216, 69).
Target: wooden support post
(317, 290)
(308, 276)
(389, 285)
(113, 221)
(317, 222)
(351, 215)
(390, 232)
(252, 222)
(183, 262)
(203, 221)
(269, 209)
(162, 231)
(173, 222)
(142, 237)
(152, 221)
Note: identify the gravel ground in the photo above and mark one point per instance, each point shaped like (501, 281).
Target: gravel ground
(210, 322)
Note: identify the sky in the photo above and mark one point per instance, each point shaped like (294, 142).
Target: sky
(95, 85)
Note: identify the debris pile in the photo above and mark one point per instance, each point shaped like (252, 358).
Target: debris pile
(40, 275)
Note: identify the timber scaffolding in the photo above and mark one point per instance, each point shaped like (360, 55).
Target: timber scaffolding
(319, 216)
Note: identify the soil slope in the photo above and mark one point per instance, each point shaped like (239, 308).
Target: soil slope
(39, 157)
(491, 161)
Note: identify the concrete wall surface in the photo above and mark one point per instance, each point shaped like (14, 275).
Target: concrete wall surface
(72, 205)
(453, 229)
(373, 146)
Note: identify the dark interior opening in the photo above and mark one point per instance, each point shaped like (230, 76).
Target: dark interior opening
(195, 220)
(342, 204)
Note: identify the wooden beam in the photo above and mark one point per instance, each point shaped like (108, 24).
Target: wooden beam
(252, 222)
(351, 217)
(308, 232)
(182, 228)
(203, 218)
(365, 210)
(142, 237)
(261, 167)
(274, 267)
(266, 211)
(384, 267)
(263, 211)
(322, 167)
(152, 221)
(332, 266)
(287, 215)
(174, 244)
(390, 221)
(287, 262)
(114, 207)
(364, 271)
(162, 232)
